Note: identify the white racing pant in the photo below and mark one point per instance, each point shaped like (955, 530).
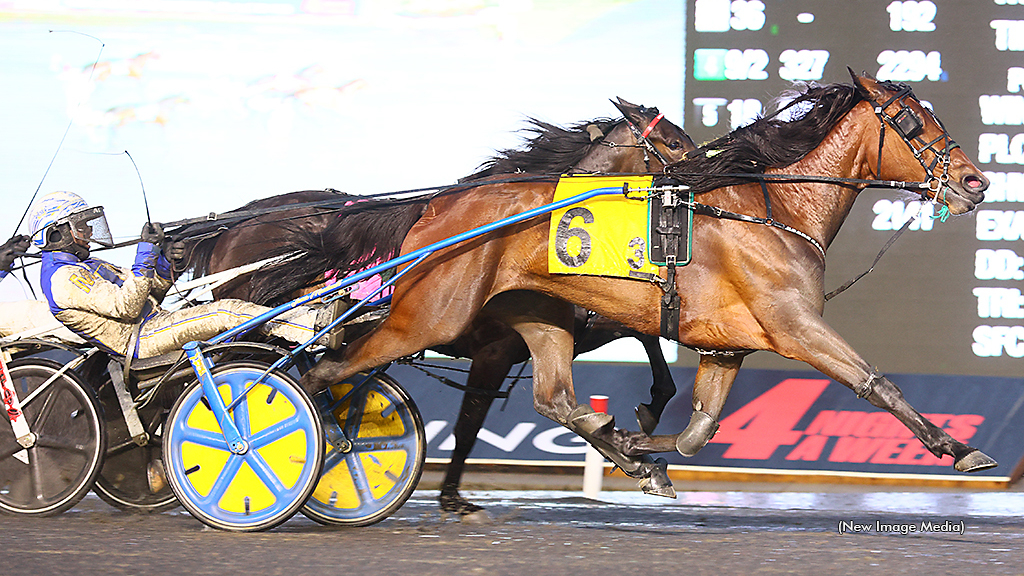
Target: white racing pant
(169, 331)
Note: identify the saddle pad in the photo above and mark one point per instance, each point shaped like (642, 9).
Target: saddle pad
(604, 236)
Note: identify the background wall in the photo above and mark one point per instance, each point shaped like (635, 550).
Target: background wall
(224, 101)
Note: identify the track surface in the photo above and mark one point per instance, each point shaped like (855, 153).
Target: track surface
(557, 533)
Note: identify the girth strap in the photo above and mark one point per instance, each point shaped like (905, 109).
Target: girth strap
(670, 227)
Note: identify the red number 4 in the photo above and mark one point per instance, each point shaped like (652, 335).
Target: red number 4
(759, 428)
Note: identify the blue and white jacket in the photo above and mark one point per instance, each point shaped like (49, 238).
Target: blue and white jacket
(102, 302)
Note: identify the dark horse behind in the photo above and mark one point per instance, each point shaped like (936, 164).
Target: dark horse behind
(341, 227)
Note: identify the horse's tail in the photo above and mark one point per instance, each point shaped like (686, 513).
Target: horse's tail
(362, 234)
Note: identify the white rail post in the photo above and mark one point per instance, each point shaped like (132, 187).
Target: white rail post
(593, 466)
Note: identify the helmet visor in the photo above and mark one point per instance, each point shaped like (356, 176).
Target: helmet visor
(91, 224)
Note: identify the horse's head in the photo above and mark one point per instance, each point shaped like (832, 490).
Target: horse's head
(663, 140)
(918, 147)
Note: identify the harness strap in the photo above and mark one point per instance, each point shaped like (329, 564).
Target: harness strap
(893, 184)
(670, 304)
(717, 212)
(672, 232)
(650, 127)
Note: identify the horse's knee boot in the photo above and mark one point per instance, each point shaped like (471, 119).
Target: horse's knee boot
(658, 483)
(699, 431)
(585, 422)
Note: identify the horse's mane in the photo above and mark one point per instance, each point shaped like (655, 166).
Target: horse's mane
(552, 149)
(768, 142)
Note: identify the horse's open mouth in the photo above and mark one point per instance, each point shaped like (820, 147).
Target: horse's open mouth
(965, 195)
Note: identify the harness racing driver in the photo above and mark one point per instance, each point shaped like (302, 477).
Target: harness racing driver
(119, 309)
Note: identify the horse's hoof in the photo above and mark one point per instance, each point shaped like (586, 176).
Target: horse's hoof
(698, 433)
(583, 420)
(456, 504)
(975, 461)
(645, 418)
(478, 518)
(658, 483)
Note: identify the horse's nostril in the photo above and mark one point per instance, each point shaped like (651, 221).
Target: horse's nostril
(975, 183)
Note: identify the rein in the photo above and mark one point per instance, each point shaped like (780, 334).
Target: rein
(225, 219)
(417, 361)
(905, 123)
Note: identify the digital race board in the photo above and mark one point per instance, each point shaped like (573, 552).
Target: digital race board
(947, 297)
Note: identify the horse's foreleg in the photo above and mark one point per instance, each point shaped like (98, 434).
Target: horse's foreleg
(821, 347)
(663, 388)
(881, 392)
(711, 387)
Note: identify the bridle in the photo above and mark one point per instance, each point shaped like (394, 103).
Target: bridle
(642, 140)
(909, 127)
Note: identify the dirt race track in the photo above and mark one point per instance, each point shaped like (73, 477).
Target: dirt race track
(557, 533)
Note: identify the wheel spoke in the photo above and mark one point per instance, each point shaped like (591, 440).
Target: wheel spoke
(220, 485)
(62, 445)
(359, 480)
(36, 475)
(406, 443)
(44, 410)
(240, 413)
(356, 406)
(332, 459)
(274, 433)
(264, 472)
(205, 438)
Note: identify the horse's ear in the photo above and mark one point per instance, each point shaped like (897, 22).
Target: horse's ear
(634, 113)
(624, 107)
(865, 83)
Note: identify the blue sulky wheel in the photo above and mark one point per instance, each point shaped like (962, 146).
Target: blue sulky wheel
(375, 451)
(270, 482)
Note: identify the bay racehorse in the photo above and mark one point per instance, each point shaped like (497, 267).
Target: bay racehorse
(642, 141)
(755, 281)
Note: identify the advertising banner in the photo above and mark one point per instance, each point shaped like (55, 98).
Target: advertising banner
(774, 420)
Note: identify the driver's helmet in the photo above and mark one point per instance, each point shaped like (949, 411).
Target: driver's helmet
(59, 218)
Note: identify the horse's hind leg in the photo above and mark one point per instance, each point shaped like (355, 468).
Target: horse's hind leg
(663, 388)
(711, 387)
(546, 325)
(400, 335)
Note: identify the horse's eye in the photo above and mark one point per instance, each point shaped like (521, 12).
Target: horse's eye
(675, 145)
